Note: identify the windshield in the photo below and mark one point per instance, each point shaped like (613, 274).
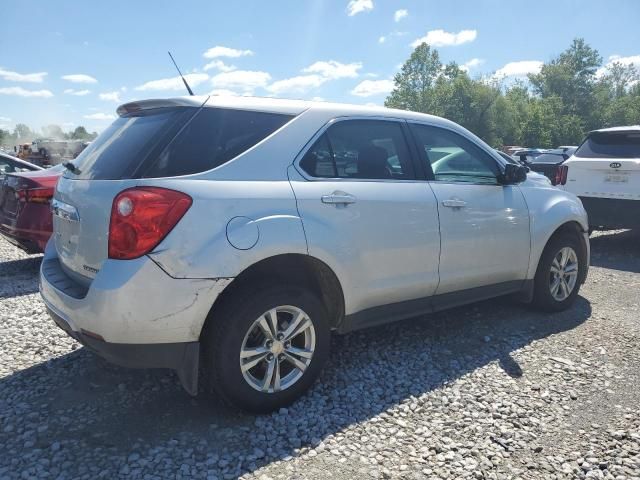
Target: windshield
(610, 145)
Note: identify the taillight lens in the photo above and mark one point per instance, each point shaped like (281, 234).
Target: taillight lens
(35, 195)
(141, 217)
(560, 177)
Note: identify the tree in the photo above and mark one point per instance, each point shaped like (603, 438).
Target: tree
(80, 133)
(22, 132)
(414, 81)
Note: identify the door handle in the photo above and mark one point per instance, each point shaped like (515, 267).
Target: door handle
(454, 203)
(338, 198)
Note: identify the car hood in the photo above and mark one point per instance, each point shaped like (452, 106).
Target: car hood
(536, 179)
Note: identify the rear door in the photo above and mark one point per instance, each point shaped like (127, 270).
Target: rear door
(484, 226)
(367, 215)
(606, 165)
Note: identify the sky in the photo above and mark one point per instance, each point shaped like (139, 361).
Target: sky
(72, 63)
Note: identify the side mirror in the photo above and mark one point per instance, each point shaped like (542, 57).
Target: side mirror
(514, 174)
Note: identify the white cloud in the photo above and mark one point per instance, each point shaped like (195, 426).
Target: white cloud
(368, 88)
(110, 96)
(299, 84)
(219, 65)
(440, 38)
(5, 119)
(100, 116)
(318, 99)
(79, 78)
(244, 80)
(630, 60)
(358, 6)
(473, 63)
(77, 93)
(22, 92)
(333, 70)
(382, 39)
(22, 77)
(400, 14)
(174, 83)
(219, 51)
(519, 69)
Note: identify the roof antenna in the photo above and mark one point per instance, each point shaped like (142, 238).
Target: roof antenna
(181, 76)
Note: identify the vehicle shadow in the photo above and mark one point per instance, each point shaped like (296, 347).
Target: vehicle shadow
(617, 250)
(92, 409)
(23, 274)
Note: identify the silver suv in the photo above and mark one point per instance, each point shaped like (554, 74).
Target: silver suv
(231, 236)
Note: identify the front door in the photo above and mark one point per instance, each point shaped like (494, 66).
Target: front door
(484, 225)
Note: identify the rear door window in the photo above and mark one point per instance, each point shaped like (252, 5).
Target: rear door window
(173, 141)
(364, 149)
(610, 145)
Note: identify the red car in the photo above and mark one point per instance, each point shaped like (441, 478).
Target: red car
(25, 207)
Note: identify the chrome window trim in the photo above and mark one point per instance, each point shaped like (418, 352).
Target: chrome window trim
(333, 121)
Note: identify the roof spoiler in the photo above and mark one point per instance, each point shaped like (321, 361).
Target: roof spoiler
(138, 106)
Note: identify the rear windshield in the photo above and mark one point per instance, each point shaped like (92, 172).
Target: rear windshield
(610, 145)
(172, 142)
(550, 158)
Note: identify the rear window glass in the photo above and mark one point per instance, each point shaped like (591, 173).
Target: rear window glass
(212, 138)
(550, 158)
(609, 145)
(171, 142)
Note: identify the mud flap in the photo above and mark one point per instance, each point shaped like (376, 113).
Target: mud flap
(188, 370)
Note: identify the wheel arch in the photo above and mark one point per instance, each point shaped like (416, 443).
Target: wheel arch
(294, 269)
(571, 227)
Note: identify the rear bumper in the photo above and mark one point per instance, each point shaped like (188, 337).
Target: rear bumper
(30, 229)
(133, 313)
(181, 357)
(612, 213)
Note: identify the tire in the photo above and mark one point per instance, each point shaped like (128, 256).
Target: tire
(543, 296)
(233, 326)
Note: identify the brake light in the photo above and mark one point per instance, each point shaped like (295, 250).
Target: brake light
(560, 178)
(141, 217)
(35, 195)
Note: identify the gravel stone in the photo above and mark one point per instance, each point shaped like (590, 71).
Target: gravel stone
(487, 391)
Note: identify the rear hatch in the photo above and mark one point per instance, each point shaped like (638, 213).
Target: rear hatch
(150, 142)
(606, 165)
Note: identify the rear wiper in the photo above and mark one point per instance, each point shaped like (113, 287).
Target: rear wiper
(71, 167)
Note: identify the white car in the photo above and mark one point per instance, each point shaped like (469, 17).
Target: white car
(605, 174)
(234, 234)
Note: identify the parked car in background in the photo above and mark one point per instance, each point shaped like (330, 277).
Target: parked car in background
(251, 228)
(528, 155)
(551, 165)
(25, 207)
(11, 164)
(605, 173)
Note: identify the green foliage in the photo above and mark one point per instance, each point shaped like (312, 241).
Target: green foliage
(567, 98)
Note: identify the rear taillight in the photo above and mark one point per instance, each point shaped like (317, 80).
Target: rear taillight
(141, 217)
(35, 195)
(560, 178)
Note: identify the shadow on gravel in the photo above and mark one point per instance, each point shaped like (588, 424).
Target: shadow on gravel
(22, 276)
(618, 250)
(93, 410)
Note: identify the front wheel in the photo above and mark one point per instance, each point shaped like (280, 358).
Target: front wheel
(559, 273)
(264, 348)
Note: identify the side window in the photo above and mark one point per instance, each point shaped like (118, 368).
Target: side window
(453, 158)
(6, 167)
(366, 149)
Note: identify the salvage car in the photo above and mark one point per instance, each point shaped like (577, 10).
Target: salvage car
(605, 173)
(232, 235)
(10, 164)
(25, 208)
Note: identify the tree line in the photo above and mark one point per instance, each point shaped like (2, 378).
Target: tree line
(570, 96)
(24, 134)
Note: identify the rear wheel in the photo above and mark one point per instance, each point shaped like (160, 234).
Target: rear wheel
(557, 280)
(265, 347)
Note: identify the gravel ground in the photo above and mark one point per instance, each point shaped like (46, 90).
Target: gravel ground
(492, 390)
